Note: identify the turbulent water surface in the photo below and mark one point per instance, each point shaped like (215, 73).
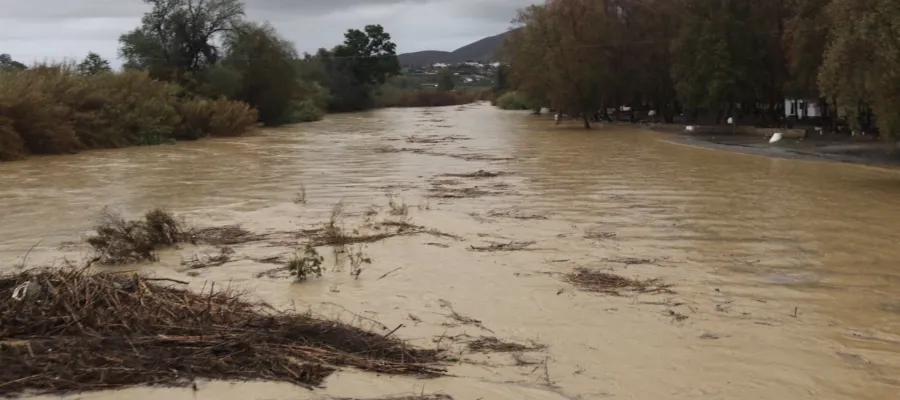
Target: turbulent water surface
(785, 272)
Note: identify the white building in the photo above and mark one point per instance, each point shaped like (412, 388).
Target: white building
(795, 108)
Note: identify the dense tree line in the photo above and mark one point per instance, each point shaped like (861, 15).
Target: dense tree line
(177, 41)
(711, 59)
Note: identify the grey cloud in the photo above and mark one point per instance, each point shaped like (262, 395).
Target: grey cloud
(55, 29)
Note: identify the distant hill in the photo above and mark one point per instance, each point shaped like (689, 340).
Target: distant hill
(482, 50)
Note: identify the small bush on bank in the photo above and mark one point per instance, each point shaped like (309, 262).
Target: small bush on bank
(305, 111)
(52, 109)
(510, 101)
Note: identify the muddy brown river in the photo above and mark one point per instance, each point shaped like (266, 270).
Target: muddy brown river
(785, 272)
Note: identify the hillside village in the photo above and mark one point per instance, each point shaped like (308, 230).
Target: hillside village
(469, 73)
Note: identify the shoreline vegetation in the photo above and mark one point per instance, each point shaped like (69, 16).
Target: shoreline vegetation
(789, 64)
(208, 72)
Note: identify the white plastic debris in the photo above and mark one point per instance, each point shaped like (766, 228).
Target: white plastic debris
(26, 290)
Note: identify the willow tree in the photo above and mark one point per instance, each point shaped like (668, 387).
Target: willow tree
(862, 60)
(566, 38)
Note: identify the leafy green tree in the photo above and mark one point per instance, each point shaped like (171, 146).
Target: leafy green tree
(93, 64)
(445, 80)
(177, 37)
(264, 61)
(352, 70)
(722, 62)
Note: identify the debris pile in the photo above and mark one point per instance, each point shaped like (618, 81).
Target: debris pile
(65, 330)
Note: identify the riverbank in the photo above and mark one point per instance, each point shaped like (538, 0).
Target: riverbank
(828, 148)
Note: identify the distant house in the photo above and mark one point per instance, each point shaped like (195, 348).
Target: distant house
(802, 109)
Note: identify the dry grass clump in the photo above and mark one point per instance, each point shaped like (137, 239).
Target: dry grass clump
(52, 109)
(603, 282)
(65, 330)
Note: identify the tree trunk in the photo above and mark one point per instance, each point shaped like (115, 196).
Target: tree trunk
(587, 121)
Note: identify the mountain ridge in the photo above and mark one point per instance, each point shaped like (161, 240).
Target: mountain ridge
(484, 50)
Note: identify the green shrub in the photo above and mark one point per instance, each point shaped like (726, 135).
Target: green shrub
(510, 101)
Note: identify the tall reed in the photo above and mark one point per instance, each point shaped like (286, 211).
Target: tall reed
(52, 109)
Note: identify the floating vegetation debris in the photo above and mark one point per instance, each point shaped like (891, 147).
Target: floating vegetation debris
(476, 175)
(631, 260)
(443, 192)
(599, 235)
(208, 260)
(487, 344)
(513, 213)
(67, 330)
(119, 241)
(603, 282)
(438, 396)
(433, 139)
(463, 156)
(460, 318)
(511, 246)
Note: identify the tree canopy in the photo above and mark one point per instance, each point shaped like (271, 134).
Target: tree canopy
(710, 58)
(93, 64)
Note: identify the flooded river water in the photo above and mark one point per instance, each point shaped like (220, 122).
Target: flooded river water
(785, 272)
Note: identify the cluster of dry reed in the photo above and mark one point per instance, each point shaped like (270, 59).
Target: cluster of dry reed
(54, 109)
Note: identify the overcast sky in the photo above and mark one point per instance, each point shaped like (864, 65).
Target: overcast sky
(37, 30)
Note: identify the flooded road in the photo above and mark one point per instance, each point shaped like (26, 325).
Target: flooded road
(785, 272)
